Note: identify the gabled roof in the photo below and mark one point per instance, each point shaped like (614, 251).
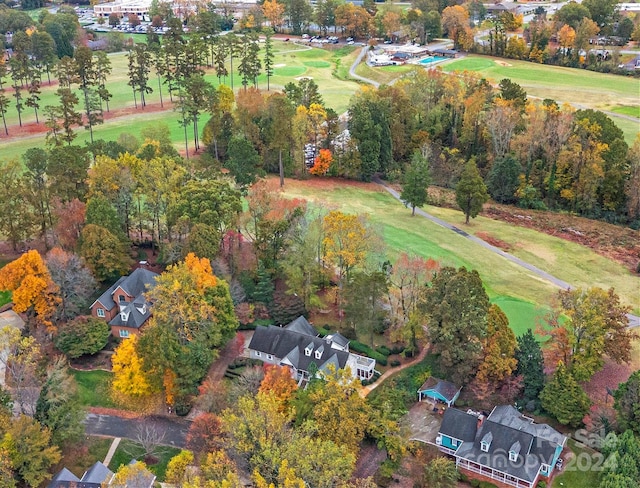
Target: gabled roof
(447, 389)
(501, 438)
(506, 429)
(97, 474)
(289, 346)
(134, 285)
(508, 415)
(302, 326)
(459, 425)
(64, 479)
(135, 318)
(338, 339)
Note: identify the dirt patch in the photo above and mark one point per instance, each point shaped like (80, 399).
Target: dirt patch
(369, 460)
(609, 378)
(101, 360)
(494, 241)
(621, 244)
(502, 63)
(330, 184)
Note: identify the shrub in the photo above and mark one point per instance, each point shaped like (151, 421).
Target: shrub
(394, 363)
(542, 484)
(383, 350)
(396, 350)
(367, 351)
(83, 335)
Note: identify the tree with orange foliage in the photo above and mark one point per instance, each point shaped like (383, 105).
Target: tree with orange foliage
(69, 218)
(31, 285)
(455, 22)
(278, 382)
(205, 434)
(274, 13)
(322, 163)
(498, 347)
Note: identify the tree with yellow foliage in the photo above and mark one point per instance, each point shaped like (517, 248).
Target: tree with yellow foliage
(31, 285)
(193, 317)
(274, 13)
(129, 380)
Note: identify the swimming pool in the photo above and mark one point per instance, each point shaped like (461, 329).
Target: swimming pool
(432, 59)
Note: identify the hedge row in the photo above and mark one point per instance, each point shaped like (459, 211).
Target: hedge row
(367, 351)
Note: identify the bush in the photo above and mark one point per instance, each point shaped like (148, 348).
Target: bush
(83, 335)
(394, 363)
(396, 350)
(183, 408)
(542, 484)
(367, 351)
(383, 350)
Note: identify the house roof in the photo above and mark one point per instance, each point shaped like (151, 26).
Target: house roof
(459, 425)
(506, 429)
(97, 474)
(137, 313)
(134, 285)
(146, 478)
(9, 317)
(338, 339)
(445, 388)
(302, 326)
(63, 479)
(289, 346)
(508, 415)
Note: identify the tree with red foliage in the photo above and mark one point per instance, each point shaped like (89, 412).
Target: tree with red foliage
(205, 434)
(69, 221)
(322, 163)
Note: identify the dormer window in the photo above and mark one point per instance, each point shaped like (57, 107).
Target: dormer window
(486, 442)
(308, 350)
(121, 298)
(319, 352)
(124, 316)
(514, 451)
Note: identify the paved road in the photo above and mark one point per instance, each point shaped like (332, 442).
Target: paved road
(634, 320)
(174, 430)
(352, 70)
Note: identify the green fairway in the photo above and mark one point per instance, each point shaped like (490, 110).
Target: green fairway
(579, 87)
(624, 110)
(522, 315)
(523, 294)
(291, 61)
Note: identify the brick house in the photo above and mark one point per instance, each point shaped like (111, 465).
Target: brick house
(124, 305)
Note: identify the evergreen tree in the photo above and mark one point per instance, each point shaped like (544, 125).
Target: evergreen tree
(471, 192)
(503, 179)
(268, 55)
(563, 398)
(627, 403)
(416, 182)
(530, 365)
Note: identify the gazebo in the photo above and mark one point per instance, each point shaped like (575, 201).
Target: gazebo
(439, 390)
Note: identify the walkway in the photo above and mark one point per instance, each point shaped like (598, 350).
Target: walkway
(112, 451)
(634, 320)
(369, 388)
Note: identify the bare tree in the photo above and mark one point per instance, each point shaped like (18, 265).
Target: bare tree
(19, 357)
(150, 435)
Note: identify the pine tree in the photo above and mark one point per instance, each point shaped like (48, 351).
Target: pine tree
(530, 365)
(471, 192)
(416, 182)
(563, 398)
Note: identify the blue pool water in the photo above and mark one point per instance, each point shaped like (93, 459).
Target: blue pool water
(432, 59)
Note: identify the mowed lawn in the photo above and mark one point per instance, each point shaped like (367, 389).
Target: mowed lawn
(93, 388)
(524, 296)
(291, 62)
(579, 87)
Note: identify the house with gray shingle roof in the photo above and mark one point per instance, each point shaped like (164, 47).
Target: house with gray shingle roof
(439, 390)
(124, 305)
(299, 347)
(96, 476)
(506, 447)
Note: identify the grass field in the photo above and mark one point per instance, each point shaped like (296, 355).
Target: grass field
(523, 295)
(128, 450)
(5, 297)
(291, 61)
(93, 388)
(625, 110)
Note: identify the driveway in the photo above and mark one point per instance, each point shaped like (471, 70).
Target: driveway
(422, 423)
(167, 431)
